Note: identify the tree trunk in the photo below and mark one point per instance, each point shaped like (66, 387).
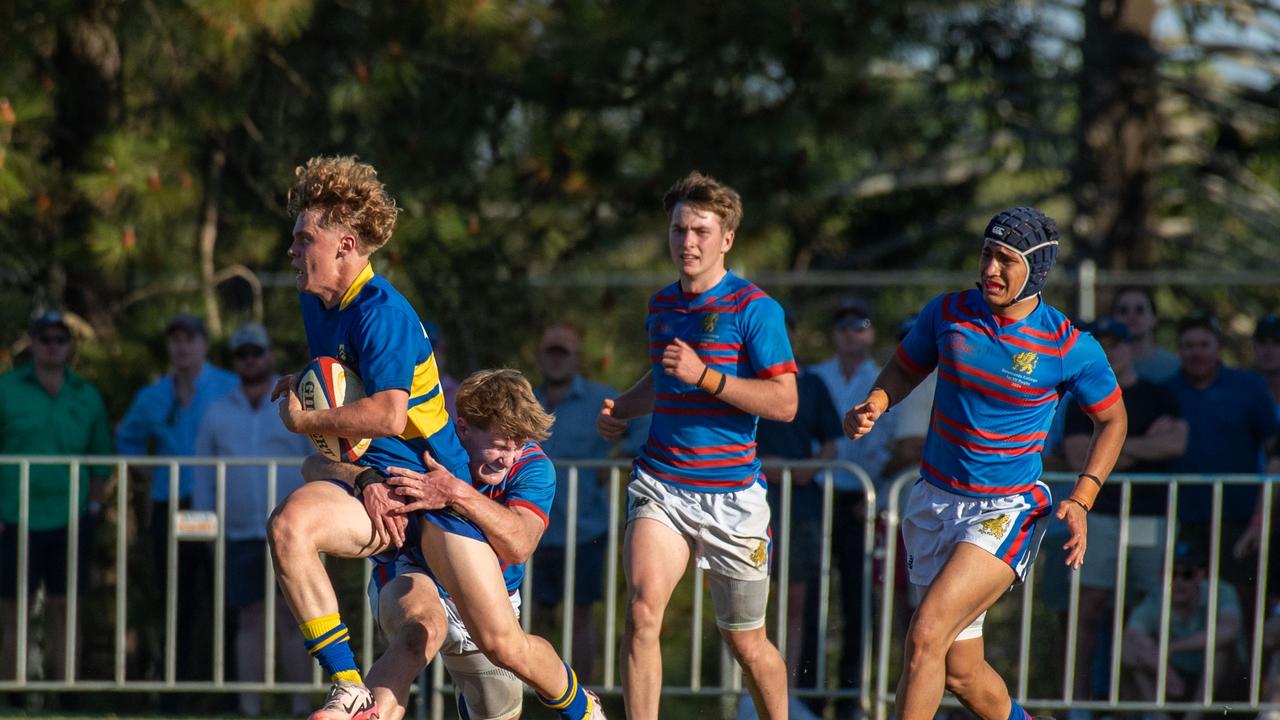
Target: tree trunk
(1119, 136)
(209, 240)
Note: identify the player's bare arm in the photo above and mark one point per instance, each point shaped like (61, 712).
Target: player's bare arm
(894, 383)
(1109, 429)
(382, 414)
(772, 398)
(611, 423)
(512, 532)
(378, 499)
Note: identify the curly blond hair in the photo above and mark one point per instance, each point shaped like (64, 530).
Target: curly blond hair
(705, 193)
(347, 194)
(502, 402)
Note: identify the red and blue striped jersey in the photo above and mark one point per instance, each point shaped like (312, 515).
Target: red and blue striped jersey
(697, 441)
(998, 388)
(530, 484)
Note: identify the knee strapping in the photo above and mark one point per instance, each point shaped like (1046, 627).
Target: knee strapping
(739, 604)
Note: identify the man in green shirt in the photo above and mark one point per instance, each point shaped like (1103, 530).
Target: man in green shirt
(46, 409)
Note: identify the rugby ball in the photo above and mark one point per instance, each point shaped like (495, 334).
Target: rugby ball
(324, 384)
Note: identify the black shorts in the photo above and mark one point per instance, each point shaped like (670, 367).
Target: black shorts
(548, 573)
(46, 559)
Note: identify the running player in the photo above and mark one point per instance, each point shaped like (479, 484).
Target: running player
(343, 214)
(513, 484)
(721, 359)
(976, 517)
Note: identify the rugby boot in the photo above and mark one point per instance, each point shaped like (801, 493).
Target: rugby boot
(347, 701)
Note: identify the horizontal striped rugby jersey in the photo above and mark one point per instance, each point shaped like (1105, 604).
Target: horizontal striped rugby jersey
(697, 441)
(377, 332)
(530, 484)
(998, 388)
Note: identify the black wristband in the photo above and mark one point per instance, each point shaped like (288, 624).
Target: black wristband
(370, 476)
(703, 376)
(720, 387)
(1092, 477)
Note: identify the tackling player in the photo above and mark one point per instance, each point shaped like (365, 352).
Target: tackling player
(343, 214)
(721, 359)
(976, 516)
(513, 484)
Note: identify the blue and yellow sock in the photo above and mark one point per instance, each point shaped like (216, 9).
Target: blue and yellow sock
(329, 642)
(1016, 712)
(574, 704)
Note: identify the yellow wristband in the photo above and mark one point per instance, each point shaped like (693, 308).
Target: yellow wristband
(1086, 490)
(710, 380)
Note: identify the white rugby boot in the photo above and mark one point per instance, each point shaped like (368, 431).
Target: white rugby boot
(347, 701)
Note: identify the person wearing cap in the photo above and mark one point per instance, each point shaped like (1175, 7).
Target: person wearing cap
(1157, 434)
(975, 519)
(1266, 355)
(812, 435)
(1135, 306)
(244, 423)
(163, 418)
(46, 408)
(574, 400)
(1229, 417)
(1188, 624)
(848, 375)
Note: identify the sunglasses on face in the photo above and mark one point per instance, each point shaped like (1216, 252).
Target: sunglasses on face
(854, 323)
(248, 352)
(53, 339)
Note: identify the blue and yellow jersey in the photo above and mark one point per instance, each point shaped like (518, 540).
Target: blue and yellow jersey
(377, 332)
(999, 384)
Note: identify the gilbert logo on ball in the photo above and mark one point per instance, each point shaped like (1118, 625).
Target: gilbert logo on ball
(325, 384)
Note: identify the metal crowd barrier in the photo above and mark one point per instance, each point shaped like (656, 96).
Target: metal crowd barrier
(876, 676)
(729, 687)
(1019, 681)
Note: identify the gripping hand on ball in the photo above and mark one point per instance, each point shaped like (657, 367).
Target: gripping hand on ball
(291, 411)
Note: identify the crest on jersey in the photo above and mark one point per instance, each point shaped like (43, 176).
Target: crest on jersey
(759, 555)
(1025, 362)
(996, 526)
(342, 352)
(709, 322)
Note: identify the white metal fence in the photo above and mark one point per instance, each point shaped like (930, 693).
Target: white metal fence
(878, 671)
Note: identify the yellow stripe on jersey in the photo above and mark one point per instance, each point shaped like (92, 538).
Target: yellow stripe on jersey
(426, 418)
(356, 286)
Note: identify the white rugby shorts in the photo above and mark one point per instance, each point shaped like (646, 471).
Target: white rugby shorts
(728, 532)
(1009, 527)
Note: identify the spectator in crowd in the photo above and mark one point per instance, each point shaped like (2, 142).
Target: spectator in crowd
(811, 435)
(1271, 629)
(1230, 417)
(906, 450)
(1136, 308)
(1157, 434)
(575, 401)
(246, 424)
(163, 419)
(914, 412)
(848, 377)
(47, 409)
(1266, 355)
(448, 383)
(1188, 622)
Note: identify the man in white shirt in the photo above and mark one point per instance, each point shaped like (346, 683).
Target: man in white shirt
(849, 377)
(246, 423)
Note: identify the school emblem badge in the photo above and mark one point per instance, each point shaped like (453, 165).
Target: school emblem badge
(996, 526)
(759, 555)
(1025, 362)
(709, 322)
